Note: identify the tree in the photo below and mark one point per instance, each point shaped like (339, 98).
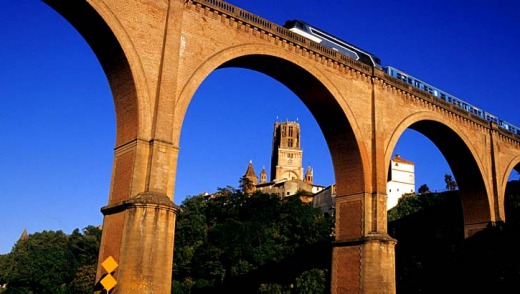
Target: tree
(311, 282)
(41, 264)
(83, 282)
(423, 189)
(230, 238)
(52, 262)
(451, 185)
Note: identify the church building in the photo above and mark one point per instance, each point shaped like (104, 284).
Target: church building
(288, 177)
(287, 173)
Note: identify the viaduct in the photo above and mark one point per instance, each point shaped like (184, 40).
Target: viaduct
(156, 53)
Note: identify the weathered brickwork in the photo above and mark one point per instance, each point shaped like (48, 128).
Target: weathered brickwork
(156, 53)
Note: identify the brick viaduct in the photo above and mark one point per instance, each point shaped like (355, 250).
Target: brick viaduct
(156, 53)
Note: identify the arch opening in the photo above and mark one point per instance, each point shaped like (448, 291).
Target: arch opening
(336, 128)
(228, 124)
(237, 121)
(466, 171)
(64, 131)
(100, 37)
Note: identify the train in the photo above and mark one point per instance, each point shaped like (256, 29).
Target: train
(320, 36)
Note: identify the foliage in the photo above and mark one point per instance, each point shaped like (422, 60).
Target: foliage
(512, 201)
(451, 185)
(51, 262)
(84, 278)
(311, 282)
(408, 204)
(235, 243)
(232, 237)
(431, 246)
(423, 189)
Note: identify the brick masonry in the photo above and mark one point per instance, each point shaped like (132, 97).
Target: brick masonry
(156, 53)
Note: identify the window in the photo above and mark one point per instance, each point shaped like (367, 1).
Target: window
(290, 142)
(290, 131)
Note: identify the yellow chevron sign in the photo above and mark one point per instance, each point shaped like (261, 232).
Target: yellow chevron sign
(108, 282)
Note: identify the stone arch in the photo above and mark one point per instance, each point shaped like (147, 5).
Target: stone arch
(463, 159)
(502, 179)
(331, 113)
(292, 174)
(116, 55)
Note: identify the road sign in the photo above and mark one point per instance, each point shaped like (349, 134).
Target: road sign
(108, 281)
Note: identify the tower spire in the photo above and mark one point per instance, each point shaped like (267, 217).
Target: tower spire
(250, 173)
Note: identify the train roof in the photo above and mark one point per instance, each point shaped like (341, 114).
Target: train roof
(289, 24)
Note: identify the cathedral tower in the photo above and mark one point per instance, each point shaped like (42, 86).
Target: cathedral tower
(286, 158)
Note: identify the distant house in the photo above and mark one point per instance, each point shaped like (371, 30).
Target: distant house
(401, 179)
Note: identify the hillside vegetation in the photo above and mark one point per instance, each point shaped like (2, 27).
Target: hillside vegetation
(237, 243)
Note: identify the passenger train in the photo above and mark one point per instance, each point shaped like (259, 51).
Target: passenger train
(319, 36)
(304, 29)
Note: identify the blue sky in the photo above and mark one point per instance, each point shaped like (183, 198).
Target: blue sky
(57, 118)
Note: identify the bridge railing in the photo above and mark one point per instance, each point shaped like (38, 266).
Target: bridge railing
(282, 33)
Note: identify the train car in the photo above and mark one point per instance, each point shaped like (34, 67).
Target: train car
(396, 73)
(319, 36)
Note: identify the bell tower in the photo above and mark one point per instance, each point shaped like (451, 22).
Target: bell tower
(286, 157)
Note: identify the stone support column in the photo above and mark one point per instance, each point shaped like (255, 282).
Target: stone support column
(363, 261)
(146, 253)
(138, 227)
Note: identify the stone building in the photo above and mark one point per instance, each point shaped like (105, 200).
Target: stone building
(287, 173)
(288, 178)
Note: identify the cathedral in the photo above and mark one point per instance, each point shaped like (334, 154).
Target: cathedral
(287, 173)
(288, 177)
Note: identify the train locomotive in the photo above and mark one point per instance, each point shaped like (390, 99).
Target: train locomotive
(319, 36)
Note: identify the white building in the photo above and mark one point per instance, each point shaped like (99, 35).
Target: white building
(401, 179)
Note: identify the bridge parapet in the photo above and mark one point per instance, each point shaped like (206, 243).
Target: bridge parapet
(429, 98)
(281, 33)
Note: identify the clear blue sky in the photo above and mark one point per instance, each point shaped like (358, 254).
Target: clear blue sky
(57, 117)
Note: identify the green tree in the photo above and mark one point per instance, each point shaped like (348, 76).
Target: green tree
(83, 282)
(232, 236)
(408, 204)
(423, 189)
(451, 185)
(41, 264)
(52, 262)
(84, 247)
(311, 282)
